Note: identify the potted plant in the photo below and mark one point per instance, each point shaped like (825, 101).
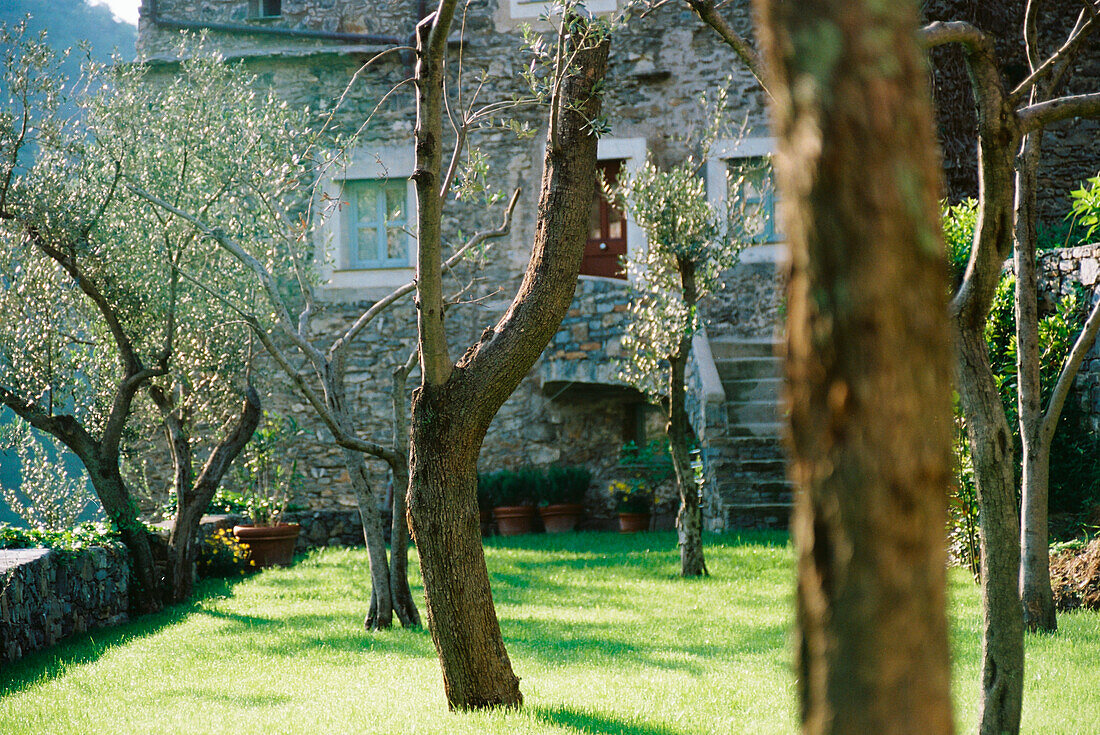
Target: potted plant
(266, 475)
(513, 502)
(634, 504)
(561, 501)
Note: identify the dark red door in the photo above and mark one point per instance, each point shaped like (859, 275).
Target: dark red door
(606, 230)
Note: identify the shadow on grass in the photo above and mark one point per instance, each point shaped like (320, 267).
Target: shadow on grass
(89, 647)
(589, 721)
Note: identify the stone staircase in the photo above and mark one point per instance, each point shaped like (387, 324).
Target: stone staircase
(751, 489)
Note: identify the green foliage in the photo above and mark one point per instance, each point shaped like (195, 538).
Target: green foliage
(221, 555)
(631, 495)
(959, 223)
(79, 536)
(49, 497)
(1086, 205)
(565, 485)
(1075, 476)
(651, 461)
(266, 473)
(689, 241)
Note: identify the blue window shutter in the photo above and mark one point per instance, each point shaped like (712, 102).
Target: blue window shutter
(374, 223)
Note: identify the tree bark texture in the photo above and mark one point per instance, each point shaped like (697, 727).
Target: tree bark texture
(689, 518)
(403, 602)
(1035, 592)
(868, 364)
(193, 495)
(454, 405)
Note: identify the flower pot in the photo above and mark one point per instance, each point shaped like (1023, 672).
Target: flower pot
(486, 521)
(513, 520)
(561, 518)
(269, 545)
(633, 522)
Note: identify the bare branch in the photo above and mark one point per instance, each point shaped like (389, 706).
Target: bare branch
(709, 14)
(257, 268)
(940, 33)
(1056, 63)
(1042, 114)
(1081, 346)
(382, 304)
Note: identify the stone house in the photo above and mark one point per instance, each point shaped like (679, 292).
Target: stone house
(572, 408)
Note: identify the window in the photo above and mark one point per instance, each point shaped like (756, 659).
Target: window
(265, 8)
(606, 245)
(376, 220)
(535, 8)
(746, 163)
(753, 174)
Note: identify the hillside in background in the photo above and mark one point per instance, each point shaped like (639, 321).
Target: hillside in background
(68, 22)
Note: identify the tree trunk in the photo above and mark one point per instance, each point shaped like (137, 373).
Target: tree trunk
(689, 518)
(193, 496)
(867, 362)
(145, 580)
(455, 403)
(380, 613)
(403, 602)
(443, 506)
(1036, 595)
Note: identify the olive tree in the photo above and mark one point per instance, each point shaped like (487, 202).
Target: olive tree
(689, 244)
(99, 282)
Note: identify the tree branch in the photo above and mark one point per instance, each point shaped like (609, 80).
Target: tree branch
(382, 304)
(1042, 114)
(709, 14)
(1081, 346)
(64, 427)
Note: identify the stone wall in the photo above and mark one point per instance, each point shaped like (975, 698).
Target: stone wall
(48, 595)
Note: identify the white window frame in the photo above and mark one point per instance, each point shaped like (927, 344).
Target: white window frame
(632, 152)
(333, 215)
(721, 153)
(525, 9)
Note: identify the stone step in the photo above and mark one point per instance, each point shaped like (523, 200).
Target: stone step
(749, 447)
(749, 412)
(755, 389)
(763, 429)
(726, 348)
(764, 467)
(748, 368)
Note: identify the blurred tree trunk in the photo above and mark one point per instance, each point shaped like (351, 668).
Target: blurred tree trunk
(868, 364)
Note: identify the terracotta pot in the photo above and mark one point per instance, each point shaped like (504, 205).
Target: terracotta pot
(269, 545)
(633, 522)
(561, 518)
(486, 521)
(513, 520)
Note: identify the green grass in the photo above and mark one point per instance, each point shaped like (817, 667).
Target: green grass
(605, 638)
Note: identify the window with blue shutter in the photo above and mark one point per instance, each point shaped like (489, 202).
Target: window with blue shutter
(376, 220)
(757, 191)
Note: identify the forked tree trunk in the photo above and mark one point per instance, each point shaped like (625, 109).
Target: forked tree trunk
(193, 495)
(867, 361)
(689, 518)
(380, 613)
(455, 403)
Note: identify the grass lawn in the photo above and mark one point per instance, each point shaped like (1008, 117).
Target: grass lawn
(605, 638)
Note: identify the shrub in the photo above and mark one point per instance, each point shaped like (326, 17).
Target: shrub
(79, 536)
(222, 555)
(565, 485)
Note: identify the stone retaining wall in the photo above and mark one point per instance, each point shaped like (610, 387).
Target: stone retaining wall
(48, 595)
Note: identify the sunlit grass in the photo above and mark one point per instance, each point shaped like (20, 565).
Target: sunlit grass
(604, 636)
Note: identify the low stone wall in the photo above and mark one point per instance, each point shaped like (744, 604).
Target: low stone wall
(48, 595)
(320, 528)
